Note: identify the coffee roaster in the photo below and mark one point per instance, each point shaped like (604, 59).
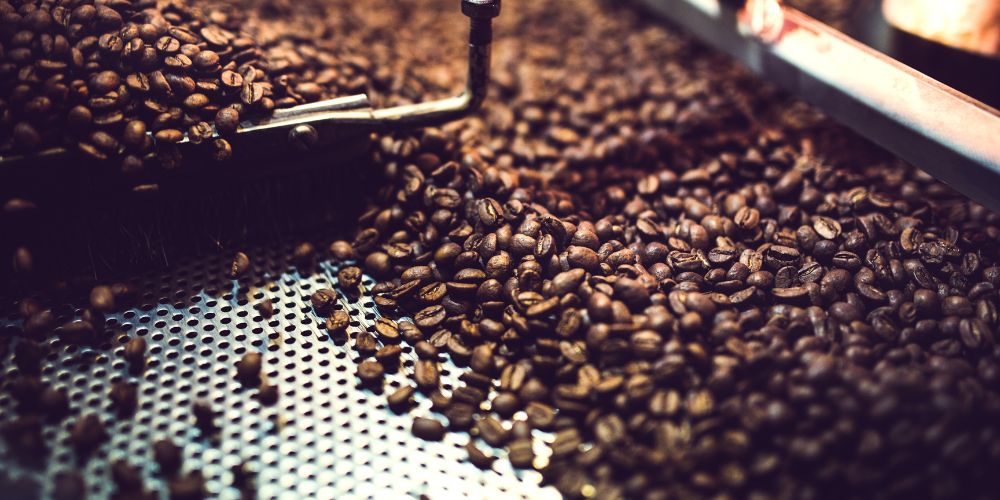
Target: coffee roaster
(327, 437)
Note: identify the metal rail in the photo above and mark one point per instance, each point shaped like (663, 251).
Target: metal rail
(940, 130)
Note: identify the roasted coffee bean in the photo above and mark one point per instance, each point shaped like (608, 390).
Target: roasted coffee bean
(168, 456)
(401, 399)
(200, 132)
(388, 356)
(248, 369)
(388, 330)
(341, 250)
(124, 398)
(134, 133)
(127, 478)
(371, 373)
(323, 300)
(189, 486)
(266, 308)
(168, 136)
(338, 322)
(429, 317)
(349, 277)
(304, 253)
(55, 403)
(460, 416)
(428, 429)
(365, 343)
(102, 299)
(204, 416)
(478, 458)
(491, 431)
(239, 266)
(221, 150)
(227, 120)
(506, 404)
(135, 352)
(68, 485)
(268, 394)
(87, 434)
(426, 374)
(520, 454)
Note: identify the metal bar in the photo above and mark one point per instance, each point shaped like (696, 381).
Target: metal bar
(336, 104)
(940, 130)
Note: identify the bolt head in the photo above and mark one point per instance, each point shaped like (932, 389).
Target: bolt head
(481, 9)
(303, 137)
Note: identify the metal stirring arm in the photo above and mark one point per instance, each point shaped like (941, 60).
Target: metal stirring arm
(310, 125)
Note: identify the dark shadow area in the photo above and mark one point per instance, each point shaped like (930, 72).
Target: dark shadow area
(90, 224)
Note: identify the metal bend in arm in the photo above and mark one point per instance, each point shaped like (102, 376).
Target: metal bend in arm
(481, 14)
(443, 110)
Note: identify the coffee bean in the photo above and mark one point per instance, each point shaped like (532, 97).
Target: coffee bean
(134, 133)
(200, 132)
(482, 360)
(107, 17)
(426, 374)
(520, 454)
(124, 398)
(168, 456)
(349, 277)
(429, 317)
(87, 434)
(266, 308)
(428, 429)
(478, 458)
(338, 322)
(365, 343)
(168, 135)
(68, 485)
(323, 300)
(248, 369)
(239, 266)
(371, 373)
(55, 403)
(401, 399)
(492, 432)
(135, 352)
(127, 477)
(190, 486)
(221, 150)
(23, 262)
(341, 249)
(268, 394)
(826, 227)
(206, 59)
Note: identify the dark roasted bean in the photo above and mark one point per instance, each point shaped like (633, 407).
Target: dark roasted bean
(428, 429)
(248, 369)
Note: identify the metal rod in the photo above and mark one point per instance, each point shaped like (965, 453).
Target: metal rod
(336, 104)
(481, 14)
(921, 120)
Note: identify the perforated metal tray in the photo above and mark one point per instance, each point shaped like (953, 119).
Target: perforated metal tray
(325, 438)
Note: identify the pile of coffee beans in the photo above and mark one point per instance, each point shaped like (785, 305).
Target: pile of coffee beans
(696, 285)
(124, 79)
(688, 283)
